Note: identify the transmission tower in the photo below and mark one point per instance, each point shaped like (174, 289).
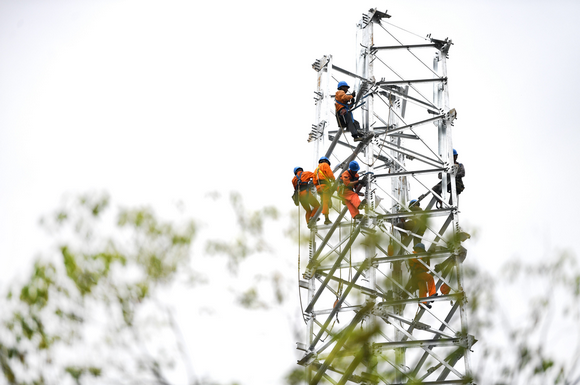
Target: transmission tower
(366, 322)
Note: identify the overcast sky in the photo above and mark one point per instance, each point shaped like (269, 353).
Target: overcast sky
(162, 101)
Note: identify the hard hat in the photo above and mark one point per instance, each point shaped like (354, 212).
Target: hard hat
(410, 203)
(324, 159)
(342, 84)
(297, 168)
(454, 152)
(419, 246)
(354, 166)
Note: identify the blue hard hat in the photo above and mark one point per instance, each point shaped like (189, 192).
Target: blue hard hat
(342, 84)
(297, 168)
(454, 152)
(354, 166)
(419, 246)
(410, 203)
(323, 159)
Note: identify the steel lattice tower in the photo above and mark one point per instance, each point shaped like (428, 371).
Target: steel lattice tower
(364, 322)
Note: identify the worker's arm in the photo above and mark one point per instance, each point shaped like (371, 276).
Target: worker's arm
(342, 97)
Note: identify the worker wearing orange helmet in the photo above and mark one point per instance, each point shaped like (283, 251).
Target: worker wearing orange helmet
(420, 277)
(346, 190)
(323, 180)
(302, 182)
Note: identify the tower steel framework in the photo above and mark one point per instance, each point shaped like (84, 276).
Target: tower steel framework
(365, 324)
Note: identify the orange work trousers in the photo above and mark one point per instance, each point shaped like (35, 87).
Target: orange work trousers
(326, 195)
(309, 202)
(352, 201)
(426, 284)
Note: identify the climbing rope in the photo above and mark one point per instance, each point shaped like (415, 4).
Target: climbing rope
(299, 294)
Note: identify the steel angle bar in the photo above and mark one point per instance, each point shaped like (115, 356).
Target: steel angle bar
(453, 358)
(332, 248)
(329, 288)
(333, 269)
(379, 48)
(405, 136)
(423, 358)
(420, 343)
(343, 71)
(388, 131)
(430, 352)
(411, 299)
(354, 378)
(340, 343)
(344, 165)
(343, 309)
(410, 233)
(430, 213)
(336, 307)
(362, 289)
(409, 98)
(333, 144)
(435, 195)
(414, 154)
(350, 146)
(334, 226)
(387, 82)
(330, 379)
(401, 370)
(396, 174)
(405, 257)
(352, 366)
(447, 382)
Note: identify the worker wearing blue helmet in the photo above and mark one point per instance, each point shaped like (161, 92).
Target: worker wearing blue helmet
(301, 182)
(458, 180)
(348, 189)
(343, 104)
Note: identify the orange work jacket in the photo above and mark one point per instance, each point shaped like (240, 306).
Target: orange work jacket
(322, 175)
(417, 267)
(305, 176)
(347, 181)
(342, 97)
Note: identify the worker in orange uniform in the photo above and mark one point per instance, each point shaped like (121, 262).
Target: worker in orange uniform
(420, 277)
(323, 180)
(301, 182)
(346, 190)
(343, 103)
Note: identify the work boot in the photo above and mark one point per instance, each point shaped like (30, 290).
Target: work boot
(357, 138)
(358, 217)
(327, 221)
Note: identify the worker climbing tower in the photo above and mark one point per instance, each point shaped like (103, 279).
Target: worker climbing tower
(366, 287)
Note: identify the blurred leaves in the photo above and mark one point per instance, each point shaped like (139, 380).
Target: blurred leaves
(104, 277)
(251, 238)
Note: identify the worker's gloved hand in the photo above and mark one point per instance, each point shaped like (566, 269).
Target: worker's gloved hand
(354, 94)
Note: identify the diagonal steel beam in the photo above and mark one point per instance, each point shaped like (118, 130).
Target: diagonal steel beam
(340, 343)
(355, 233)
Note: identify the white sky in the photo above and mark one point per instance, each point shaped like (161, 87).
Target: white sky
(162, 101)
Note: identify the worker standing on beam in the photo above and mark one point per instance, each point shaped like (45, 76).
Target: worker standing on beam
(344, 117)
(302, 182)
(458, 180)
(420, 278)
(347, 189)
(323, 180)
